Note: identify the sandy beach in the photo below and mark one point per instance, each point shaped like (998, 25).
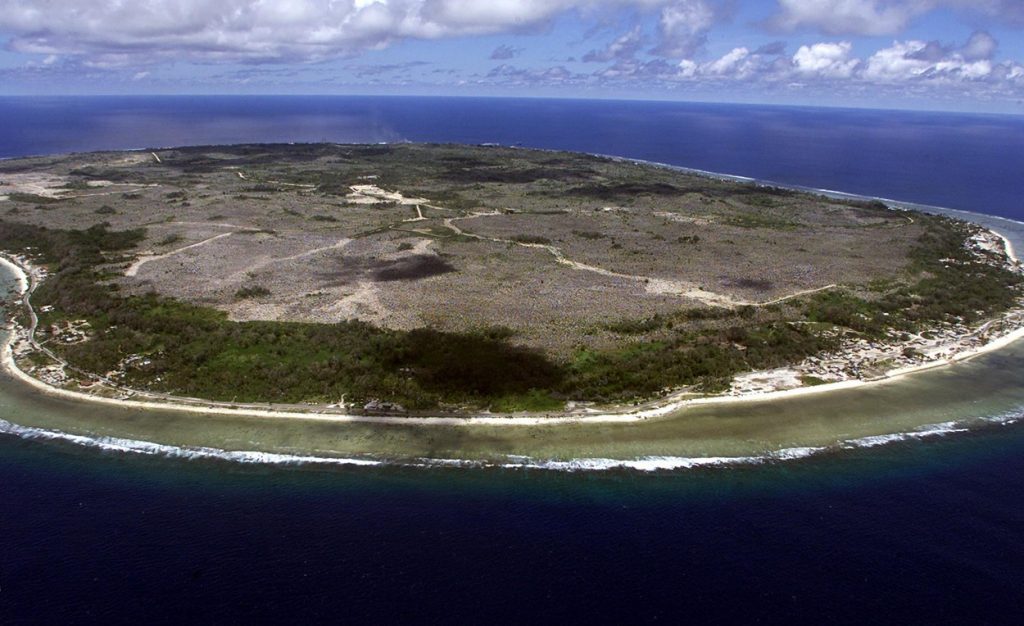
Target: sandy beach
(26, 275)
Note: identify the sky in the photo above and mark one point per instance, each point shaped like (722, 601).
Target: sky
(962, 55)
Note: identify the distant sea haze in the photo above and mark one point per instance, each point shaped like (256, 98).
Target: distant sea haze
(963, 161)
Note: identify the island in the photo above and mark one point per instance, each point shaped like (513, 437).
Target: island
(448, 282)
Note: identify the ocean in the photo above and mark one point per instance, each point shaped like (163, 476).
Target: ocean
(968, 162)
(915, 530)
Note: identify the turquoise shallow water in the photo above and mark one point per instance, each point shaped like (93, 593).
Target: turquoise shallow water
(940, 402)
(913, 529)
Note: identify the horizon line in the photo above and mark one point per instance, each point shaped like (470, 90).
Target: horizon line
(837, 107)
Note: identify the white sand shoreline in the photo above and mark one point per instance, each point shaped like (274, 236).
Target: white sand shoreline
(656, 410)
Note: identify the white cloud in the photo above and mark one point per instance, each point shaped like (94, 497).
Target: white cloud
(667, 47)
(739, 64)
(109, 31)
(882, 17)
(903, 62)
(838, 17)
(897, 62)
(981, 45)
(728, 63)
(1007, 12)
(623, 47)
(683, 28)
(504, 51)
(833, 63)
(736, 63)
(826, 60)
(688, 69)
(511, 75)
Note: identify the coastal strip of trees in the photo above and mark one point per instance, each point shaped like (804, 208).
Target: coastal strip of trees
(193, 350)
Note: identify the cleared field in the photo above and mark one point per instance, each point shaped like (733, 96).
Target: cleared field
(452, 237)
(595, 278)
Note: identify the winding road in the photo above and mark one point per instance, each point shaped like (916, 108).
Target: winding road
(651, 284)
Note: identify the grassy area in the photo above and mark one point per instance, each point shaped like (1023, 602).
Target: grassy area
(534, 239)
(197, 351)
(952, 285)
(257, 291)
(761, 220)
(31, 198)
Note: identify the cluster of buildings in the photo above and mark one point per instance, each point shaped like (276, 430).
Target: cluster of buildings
(864, 359)
(70, 331)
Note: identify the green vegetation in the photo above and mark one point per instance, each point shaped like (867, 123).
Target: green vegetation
(707, 359)
(954, 286)
(257, 291)
(761, 220)
(639, 221)
(31, 198)
(534, 239)
(589, 234)
(262, 188)
(535, 400)
(196, 351)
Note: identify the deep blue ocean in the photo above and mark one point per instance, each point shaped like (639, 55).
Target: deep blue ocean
(969, 162)
(923, 531)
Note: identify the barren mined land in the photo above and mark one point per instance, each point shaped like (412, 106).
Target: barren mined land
(443, 278)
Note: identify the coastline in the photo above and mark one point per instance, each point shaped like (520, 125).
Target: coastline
(652, 410)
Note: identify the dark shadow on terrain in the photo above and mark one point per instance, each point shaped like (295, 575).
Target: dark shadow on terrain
(499, 174)
(195, 159)
(612, 190)
(495, 168)
(413, 267)
(617, 190)
(480, 364)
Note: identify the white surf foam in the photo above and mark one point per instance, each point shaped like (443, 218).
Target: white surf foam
(940, 429)
(655, 463)
(133, 446)
(659, 463)
(643, 464)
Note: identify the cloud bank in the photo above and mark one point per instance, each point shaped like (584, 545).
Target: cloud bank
(655, 44)
(113, 32)
(904, 65)
(880, 17)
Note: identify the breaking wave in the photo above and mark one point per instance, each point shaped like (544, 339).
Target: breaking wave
(134, 446)
(659, 463)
